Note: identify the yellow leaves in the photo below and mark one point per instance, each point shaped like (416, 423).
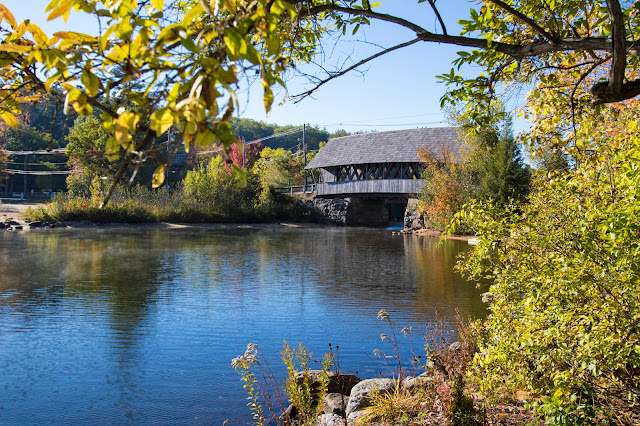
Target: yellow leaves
(9, 118)
(78, 100)
(91, 82)
(112, 148)
(157, 4)
(204, 137)
(38, 35)
(125, 125)
(268, 98)
(5, 14)
(59, 8)
(158, 176)
(228, 5)
(14, 48)
(280, 6)
(162, 120)
(235, 44)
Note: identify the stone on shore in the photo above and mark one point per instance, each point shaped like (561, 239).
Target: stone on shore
(361, 393)
(336, 403)
(338, 383)
(410, 383)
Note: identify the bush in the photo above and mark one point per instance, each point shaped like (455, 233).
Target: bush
(565, 320)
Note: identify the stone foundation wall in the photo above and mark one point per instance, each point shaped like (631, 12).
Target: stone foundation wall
(413, 218)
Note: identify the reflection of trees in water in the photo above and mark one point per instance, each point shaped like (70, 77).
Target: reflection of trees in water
(119, 275)
(102, 273)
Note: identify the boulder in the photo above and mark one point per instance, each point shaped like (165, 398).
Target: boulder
(354, 416)
(330, 420)
(360, 396)
(338, 383)
(410, 383)
(330, 211)
(413, 217)
(336, 403)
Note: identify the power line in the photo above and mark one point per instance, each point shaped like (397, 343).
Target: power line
(275, 135)
(386, 118)
(382, 125)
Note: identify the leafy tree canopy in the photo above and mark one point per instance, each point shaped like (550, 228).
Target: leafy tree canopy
(188, 56)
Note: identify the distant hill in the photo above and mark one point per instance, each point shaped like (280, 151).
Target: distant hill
(251, 130)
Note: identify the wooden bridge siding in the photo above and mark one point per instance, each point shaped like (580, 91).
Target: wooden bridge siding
(378, 186)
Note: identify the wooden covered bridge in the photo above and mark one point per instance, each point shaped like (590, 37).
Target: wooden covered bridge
(379, 172)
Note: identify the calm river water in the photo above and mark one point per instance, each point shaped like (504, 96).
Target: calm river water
(140, 325)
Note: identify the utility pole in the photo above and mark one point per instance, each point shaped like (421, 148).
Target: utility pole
(304, 154)
(244, 154)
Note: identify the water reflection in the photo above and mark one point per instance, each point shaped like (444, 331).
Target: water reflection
(140, 325)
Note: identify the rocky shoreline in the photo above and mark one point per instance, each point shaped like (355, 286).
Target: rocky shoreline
(348, 396)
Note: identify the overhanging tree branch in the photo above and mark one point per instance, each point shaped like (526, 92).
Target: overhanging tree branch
(435, 10)
(619, 61)
(299, 97)
(525, 19)
(603, 92)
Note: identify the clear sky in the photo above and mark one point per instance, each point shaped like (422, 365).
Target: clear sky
(396, 91)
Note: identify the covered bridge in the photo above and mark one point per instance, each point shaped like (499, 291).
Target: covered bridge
(380, 169)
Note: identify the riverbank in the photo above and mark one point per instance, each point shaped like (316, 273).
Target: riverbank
(432, 233)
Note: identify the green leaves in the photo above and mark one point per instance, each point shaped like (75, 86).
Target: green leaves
(125, 127)
(159, 176)
(565, 283)
(162, 120)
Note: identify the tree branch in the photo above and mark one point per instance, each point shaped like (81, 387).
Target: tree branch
(299, 97)
(525, 19)
(618, 37)
(435, 10)
(517, 51)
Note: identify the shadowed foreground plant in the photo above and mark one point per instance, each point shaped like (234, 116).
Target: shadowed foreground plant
(450, 364)
(260, 388)
(400, 405)
(308, 401)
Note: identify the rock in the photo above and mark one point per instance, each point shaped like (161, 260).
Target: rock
(487, 297)
(330, 211)
(413, 218)
(354, 416)
(342, 383)
(410, 383)
(37, 224)
(15, 228)
(330, 420)
(12, 223)
(361, 393)
(455, 346)
(473, 241)
(289, 415)
(336, 403)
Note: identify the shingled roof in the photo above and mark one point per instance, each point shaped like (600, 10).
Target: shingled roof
(396, 146)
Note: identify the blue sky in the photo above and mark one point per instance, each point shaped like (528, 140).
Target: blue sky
(396, 91)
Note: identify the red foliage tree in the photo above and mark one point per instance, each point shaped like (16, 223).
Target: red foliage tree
(251, 155)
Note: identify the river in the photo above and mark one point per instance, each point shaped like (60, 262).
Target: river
(139, 326)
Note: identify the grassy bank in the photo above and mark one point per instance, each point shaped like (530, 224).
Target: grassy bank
(142, 205)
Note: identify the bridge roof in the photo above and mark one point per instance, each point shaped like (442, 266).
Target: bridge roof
(396, 146)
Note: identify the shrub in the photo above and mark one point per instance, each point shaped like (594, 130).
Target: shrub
(565, 319)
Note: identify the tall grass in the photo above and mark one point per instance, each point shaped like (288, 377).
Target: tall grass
(142, 205)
